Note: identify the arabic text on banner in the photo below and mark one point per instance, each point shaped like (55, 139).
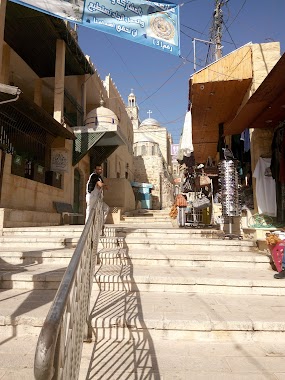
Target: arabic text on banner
(149, 23)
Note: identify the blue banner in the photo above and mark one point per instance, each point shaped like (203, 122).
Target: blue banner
(148, 23)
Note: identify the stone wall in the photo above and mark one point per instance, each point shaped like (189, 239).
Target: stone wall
(120, 163)
(150, 169)
(158, 135)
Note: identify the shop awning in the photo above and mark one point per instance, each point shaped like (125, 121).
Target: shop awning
(33, 35)
(266, 107)
(88, 138)
(216, 93)
(36, 114)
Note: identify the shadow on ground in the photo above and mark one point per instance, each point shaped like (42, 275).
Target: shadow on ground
(123, 347)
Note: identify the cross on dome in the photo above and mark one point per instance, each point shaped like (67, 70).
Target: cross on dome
(149, 112)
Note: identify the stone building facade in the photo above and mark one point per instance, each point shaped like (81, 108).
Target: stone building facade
(152, 159)
(49, 155)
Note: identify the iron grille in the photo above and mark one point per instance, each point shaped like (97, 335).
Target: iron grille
(83, 143)
(73, 111)
(23, 136)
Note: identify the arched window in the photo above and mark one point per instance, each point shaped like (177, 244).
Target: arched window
(143, 150)
(153, 150)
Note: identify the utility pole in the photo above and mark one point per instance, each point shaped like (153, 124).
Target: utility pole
(217, 27)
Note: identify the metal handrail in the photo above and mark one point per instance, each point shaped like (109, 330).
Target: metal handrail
(59, 348)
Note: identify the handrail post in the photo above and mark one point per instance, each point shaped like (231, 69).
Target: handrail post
(58, 352)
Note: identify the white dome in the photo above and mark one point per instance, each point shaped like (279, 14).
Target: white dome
(150, 123)
(100, 115)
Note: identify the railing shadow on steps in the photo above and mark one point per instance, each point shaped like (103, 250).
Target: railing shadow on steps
(123, 347)
(27, 305)
(59, 348)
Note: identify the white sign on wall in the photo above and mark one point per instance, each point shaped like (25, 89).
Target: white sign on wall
(59, 160)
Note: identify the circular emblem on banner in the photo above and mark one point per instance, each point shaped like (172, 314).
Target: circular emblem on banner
(162, 27)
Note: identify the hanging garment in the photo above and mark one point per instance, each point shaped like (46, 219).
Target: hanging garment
(246, 138)
(186, 145)
(265, 188)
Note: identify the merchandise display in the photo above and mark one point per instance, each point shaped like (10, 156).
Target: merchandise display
(229, 188)
(229, 192)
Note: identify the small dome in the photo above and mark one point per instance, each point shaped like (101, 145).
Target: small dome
(141, 137)
(100, 115)
(150, 123)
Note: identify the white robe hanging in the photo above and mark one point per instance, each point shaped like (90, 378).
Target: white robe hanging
(186, 145)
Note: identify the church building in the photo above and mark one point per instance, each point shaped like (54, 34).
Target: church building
(152, 156)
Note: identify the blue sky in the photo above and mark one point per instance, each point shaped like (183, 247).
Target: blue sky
(160, 80)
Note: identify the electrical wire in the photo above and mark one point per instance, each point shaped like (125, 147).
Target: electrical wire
(230, 35)
(167, 80)
(238, 13)
(133, 75)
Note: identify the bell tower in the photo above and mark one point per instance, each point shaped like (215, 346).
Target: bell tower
(133, 110)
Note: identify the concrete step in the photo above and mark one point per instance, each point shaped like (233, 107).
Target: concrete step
(195, 317)
(104, 242)
(62, 230)
(35, 276)
(28, 257)
(148, 216)
(43, 242)
(194, 280)
(172, 258)
(23, 311)
(149, 224)
(198, 244)
(169, 232)
(58, 231)
(142, 212)
(147, 278)
(144, 357)
(145, 219)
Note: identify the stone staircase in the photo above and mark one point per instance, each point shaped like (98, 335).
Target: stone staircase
(185, 304)
(162, 299)
(32, 263)
(157, 217)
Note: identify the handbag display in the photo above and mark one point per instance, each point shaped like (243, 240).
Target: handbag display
(202, 181)
(210, 168)
(201, 202)
(187, 185)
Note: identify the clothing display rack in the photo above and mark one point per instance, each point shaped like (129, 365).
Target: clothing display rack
(230, 198)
